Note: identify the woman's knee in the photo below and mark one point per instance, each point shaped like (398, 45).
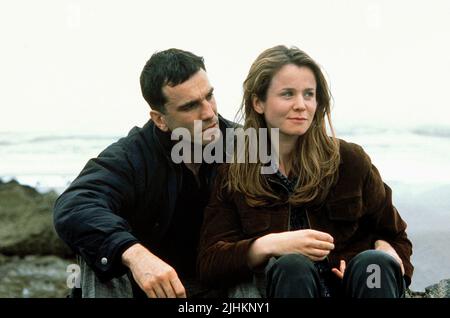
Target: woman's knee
(292, 275)
(373, 273)
(294, 264)
(373, 257)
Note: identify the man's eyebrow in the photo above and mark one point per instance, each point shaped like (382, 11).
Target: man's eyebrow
(188, 104)
(195, 101)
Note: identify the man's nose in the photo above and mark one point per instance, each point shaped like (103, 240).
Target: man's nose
(208, 111)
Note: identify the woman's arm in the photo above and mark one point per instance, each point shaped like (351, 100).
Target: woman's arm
(386, 222)
(222, 258)
(227, 256)
(384, 246)
(313, 244)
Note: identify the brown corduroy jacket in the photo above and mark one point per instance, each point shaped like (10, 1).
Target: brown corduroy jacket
(357, 211)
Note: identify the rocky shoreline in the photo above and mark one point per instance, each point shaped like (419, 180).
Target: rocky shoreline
(34, 261)
(33, 276)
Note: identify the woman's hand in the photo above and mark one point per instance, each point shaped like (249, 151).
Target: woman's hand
(380, 245)
(340, 272)
(313, 244)
(384, 246)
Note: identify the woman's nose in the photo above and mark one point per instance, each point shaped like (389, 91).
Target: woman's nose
(299, 103)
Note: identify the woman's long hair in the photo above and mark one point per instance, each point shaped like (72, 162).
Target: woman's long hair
(315, 160)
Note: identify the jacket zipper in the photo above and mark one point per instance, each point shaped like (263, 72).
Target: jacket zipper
(289, 205)
(327, 294)
(289, 217)
(327, 259)
(307, 219)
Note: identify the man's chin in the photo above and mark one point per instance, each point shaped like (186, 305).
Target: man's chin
(210, 136)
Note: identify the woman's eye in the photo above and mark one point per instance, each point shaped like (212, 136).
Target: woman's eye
(287, 94)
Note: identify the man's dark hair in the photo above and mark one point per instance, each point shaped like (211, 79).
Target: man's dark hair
(169, 67)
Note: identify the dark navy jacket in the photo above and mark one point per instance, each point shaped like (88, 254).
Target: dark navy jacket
(124, 196)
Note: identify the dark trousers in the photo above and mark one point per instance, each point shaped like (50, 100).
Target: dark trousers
(370, 274)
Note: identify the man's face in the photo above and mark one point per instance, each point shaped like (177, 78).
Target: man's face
(189, 101)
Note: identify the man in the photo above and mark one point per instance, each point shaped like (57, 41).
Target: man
(132, 209)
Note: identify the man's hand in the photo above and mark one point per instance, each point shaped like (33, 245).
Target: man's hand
(384, 246)
(155, 277)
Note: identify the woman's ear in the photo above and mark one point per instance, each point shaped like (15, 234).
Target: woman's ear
(258, 105)
(159, 120)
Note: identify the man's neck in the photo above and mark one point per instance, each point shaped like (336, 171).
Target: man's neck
(195, 169)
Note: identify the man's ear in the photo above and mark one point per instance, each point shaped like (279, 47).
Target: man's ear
(258, 105)
(159, 120)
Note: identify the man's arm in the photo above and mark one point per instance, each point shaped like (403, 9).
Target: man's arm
(87, 216)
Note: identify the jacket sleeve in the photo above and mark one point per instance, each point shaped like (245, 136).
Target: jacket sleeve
(223, 250)
(387, 222)
(87, 216)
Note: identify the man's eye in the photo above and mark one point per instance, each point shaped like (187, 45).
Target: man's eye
(287, 94)
(188, 107)
(209, 96)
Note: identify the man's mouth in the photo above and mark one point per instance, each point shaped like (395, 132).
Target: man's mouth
(214, 125)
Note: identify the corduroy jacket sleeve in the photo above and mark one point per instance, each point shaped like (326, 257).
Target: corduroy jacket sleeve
(87, 216)
(223, 249)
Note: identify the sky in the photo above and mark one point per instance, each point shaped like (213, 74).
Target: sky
(74, 65)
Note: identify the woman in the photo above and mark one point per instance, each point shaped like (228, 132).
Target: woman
(323, 224)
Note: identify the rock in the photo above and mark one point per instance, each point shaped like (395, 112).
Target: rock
(33, 277)
(26, 225)
(414, 294)
(439, 290)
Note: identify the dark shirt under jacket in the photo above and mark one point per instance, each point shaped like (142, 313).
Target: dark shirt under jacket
(299, 221)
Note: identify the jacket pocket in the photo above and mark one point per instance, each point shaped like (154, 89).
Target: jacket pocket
(255, 221)
(344, 215)
(348, 209)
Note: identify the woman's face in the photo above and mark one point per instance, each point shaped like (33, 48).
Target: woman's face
(291, 101)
